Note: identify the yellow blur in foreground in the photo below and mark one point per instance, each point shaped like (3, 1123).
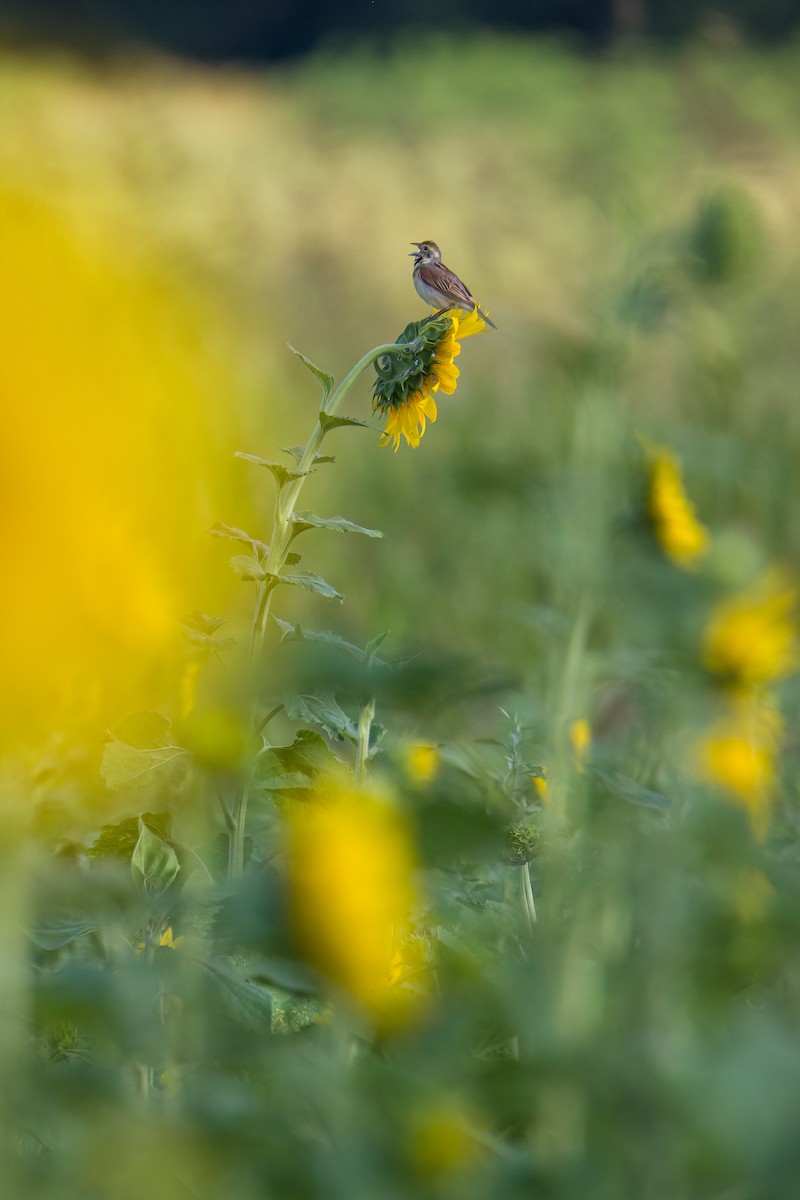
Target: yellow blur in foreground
(739, 754)
(108, 471)
(681, 535)
(351, 867)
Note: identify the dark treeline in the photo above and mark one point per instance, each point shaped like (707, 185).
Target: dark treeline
(259, 30)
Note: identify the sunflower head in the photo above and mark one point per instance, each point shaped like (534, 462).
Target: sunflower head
(407, 382)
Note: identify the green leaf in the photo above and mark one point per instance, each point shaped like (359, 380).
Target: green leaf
(309, 520)
(281, 473)
(325, 378)
(154, 864)
(59, 930)
(373, 646)
(310, 583)
(635, 793)
(202, 623)
(119, 841)
(325, 712)
(132, 767)
(284, 974)
(248, 568)
(328, 422)
(296, 767)
(247, 1003)
(297, 453)
(145, 730)
(199, 629)
(296, 633)
(238, 535)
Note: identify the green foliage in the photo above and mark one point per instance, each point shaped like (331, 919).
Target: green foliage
(603, 952)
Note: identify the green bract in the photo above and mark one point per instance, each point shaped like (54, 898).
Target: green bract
(400, 375)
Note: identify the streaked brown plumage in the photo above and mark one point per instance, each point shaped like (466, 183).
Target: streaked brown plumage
(438, 285)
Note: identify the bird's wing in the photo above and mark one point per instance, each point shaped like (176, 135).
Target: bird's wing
(439, 277)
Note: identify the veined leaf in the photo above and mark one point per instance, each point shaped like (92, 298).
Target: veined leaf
(145, 730)
(154, 864)
(309, 520)
(328, 422)
(325, 712)
(325, 378)
(246, 1002)
(310, 583)
(296, 633)
(119, 841)
(203, 623)
(133, 767)
(59, 931)
(218, 529)
(248, 568)
(282, 474)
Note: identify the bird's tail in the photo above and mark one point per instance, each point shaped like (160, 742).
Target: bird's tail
(484, 317)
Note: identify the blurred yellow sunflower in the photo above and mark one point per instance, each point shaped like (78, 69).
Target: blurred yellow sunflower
(682, 537)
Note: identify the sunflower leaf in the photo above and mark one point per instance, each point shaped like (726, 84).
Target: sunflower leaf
(310, 583)
(218, 529)
(324, 377)
(325, 712)
(282, 474)
(248, 568)
(297, 453)
(328, 422)
(309, 520)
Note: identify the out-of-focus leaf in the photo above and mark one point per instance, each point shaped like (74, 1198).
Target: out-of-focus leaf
(248, 1004)
(325, 712)
(285, 974)
(125, 766)
(154, 865)
(119, 841)
(296, 633)
(308, 755)
(220, 530)
(633, 792)
(248, 568)
(145, 730)
(59, 929)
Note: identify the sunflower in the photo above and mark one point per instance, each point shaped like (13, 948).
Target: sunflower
(407, 383)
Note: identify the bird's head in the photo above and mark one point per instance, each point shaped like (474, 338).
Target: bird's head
(425, 252)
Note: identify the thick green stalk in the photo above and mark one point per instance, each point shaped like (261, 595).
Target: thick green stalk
(365, 720)
(282, 534)
(281, 541)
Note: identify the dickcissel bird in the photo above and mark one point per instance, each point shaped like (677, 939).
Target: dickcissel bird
(438, 285)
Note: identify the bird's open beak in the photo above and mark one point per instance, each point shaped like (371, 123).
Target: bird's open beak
(414, 253)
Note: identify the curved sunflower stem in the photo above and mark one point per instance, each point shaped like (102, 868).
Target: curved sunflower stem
(281, 541)
(282, 534)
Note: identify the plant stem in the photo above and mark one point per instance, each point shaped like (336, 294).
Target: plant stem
(282, 534)
(279, 548)
(365, 720)
(527, 896)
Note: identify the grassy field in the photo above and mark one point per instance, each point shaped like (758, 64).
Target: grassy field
(505, 904)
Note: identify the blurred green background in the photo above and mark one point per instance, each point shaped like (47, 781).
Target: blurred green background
(630, 220)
